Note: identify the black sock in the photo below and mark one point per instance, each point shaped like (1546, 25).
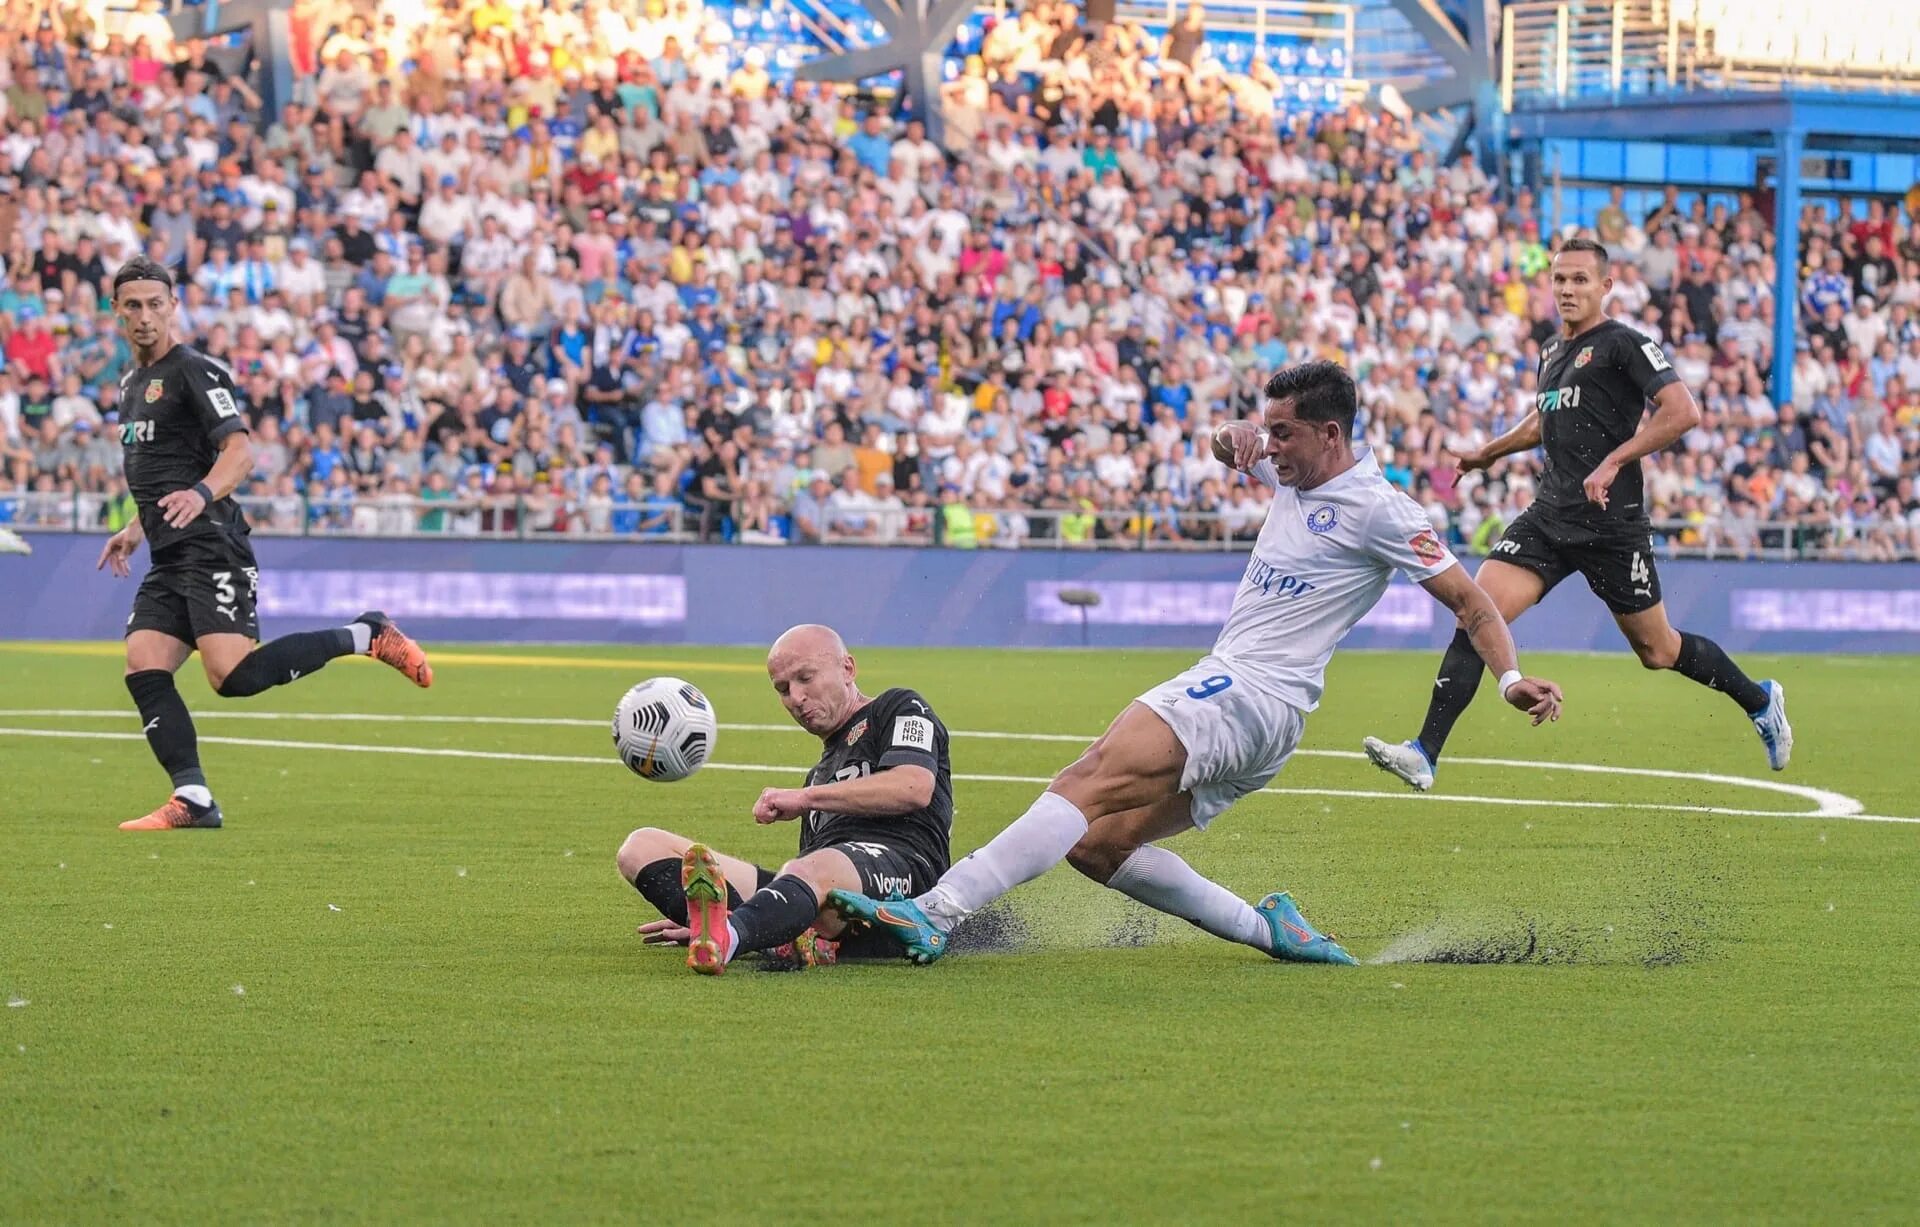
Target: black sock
(168, 724)
(1704, 661)
(659, 882)
(1453, 690)
(780, 911)
(287, 659)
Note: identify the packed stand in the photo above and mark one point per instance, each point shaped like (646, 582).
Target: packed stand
(506, 268)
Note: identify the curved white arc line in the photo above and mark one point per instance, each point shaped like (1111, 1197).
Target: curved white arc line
(1830, 804)
(766, 768)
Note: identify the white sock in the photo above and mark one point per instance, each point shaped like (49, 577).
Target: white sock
(362, 637)
(1035, 842)
(199, 794)
(1161, 880)
(733, 943)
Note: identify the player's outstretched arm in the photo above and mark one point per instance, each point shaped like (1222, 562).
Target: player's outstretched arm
(1674, 413)
(1522, 438)
(1488, 630)
(884, 794)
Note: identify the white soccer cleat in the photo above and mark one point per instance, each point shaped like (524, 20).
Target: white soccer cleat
(1406, 760)
(13, 543)
(1775, 733)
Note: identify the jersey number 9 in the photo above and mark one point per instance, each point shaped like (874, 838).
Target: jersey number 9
(1209, 687)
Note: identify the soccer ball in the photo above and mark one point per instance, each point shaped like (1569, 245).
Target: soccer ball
(664, 729)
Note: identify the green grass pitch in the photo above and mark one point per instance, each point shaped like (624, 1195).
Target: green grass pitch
(404, 987)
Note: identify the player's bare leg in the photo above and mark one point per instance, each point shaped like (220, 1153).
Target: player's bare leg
(1514, 590)
(1136, 763)
(1121, 851)
(1134, 766)
(1699, 659)
(153, 657)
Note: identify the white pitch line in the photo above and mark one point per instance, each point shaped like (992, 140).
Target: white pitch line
(774, 768)
(1828, 804)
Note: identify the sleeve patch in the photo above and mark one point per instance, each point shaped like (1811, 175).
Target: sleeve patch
(913, 732)
(222, 402)
(1658, 360)
(1427, 547)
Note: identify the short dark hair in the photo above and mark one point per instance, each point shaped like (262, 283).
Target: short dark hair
(1321, 392)
(140, 268)
(1595, 246)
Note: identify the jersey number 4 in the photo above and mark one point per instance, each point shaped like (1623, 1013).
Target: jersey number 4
(1637, 570)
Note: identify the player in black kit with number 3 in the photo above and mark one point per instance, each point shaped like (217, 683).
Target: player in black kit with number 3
(186, 451)
(1596, 377)
(876, 815)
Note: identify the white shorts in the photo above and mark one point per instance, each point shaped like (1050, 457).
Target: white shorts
(1237, 737)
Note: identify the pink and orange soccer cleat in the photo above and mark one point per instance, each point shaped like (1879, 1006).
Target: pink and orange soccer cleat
(391, 647)
(178, 814)
(705, 886)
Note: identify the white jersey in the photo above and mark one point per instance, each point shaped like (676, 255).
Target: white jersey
(1323, 559)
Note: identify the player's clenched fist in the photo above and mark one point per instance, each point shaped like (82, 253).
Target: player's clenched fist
(1240, 445)
(780, 804)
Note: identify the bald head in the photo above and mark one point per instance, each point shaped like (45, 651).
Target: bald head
(814, 675)
(809, 639)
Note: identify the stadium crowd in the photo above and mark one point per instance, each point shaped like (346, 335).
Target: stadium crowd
(507, 266)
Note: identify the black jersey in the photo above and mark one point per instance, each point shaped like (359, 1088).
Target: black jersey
(896, 729)
(1594, 389)
(173, 415)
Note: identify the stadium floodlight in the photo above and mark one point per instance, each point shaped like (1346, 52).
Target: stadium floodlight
(918, 32)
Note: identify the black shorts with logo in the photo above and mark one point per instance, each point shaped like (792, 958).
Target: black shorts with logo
(1614, 556)
(886, 869)
(883, 871)
(200, 586)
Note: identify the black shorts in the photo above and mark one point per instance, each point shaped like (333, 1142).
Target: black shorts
(885, 870)
(882, 870)
(1615, 558)
(199, 588)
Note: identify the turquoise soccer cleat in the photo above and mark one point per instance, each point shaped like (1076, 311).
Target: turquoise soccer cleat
(900, 919)
(1296, 941)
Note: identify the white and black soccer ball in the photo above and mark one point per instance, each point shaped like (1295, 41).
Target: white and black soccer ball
(664, 729)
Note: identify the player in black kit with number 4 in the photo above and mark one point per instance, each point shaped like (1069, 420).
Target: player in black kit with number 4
(875, 816)
(186, 451)
(1596, 377)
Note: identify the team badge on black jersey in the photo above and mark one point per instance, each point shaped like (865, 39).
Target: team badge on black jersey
(156, 388)
(853, 734)
(1583, 357)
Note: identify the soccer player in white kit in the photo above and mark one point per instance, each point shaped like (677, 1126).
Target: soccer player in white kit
(1182, 753)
